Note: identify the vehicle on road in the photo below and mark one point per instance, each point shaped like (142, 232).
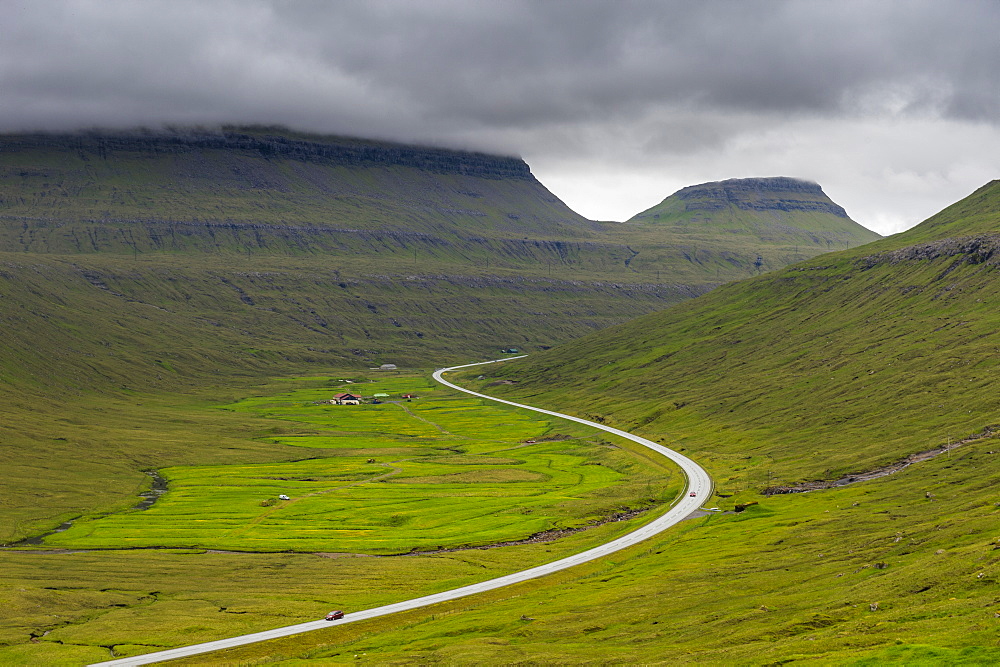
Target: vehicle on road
(334, 615)
(692, 494)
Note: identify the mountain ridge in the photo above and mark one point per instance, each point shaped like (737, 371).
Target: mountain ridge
(278, 143)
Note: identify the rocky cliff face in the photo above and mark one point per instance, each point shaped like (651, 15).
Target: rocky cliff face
(759, 194)
(979, 249)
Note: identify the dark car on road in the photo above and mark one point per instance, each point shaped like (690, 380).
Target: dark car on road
(334, 615)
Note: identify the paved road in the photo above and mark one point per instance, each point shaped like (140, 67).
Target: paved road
(698, 482)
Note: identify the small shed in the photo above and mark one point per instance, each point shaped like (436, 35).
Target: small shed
(387, 367)
(346, 399)
(409, 396)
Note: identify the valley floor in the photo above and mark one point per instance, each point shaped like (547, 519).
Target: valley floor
(426, 474)
(900, 568)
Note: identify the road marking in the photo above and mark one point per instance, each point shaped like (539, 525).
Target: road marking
(698, 481)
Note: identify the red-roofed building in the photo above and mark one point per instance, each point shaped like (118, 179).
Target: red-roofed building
(346, 399)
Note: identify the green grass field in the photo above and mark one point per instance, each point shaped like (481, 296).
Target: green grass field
(448, 472)
(454, 472)
(876, 573)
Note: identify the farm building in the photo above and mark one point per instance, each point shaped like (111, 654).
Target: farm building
(387, 367)
(346, 399)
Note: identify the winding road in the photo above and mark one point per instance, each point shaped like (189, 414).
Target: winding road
(698, 482)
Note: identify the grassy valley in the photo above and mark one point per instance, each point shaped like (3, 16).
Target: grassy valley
(182, 303)
(385, 479)
(385, 502)
(136, 268)
(829, 367)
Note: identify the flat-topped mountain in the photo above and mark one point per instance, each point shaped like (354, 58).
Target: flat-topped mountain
(778, 193)
(771, 209)
(165, 190)
(279, 143)
(737, 228)
(256, 246)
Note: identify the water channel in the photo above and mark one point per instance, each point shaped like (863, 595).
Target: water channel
(148, 498)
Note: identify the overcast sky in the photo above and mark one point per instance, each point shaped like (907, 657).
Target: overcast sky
(892, 106)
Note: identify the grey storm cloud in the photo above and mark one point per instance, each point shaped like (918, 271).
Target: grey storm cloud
(391, 66)
(623, 81)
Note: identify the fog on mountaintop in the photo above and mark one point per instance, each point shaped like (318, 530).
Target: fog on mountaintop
(891, 106)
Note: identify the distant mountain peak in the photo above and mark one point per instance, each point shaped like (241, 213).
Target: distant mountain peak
(776, 210)
(780, 193)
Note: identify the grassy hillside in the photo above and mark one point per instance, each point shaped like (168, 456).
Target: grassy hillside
(838, 364)
(974, 215)
(103, 322)
(832, 366)
(349, 247)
